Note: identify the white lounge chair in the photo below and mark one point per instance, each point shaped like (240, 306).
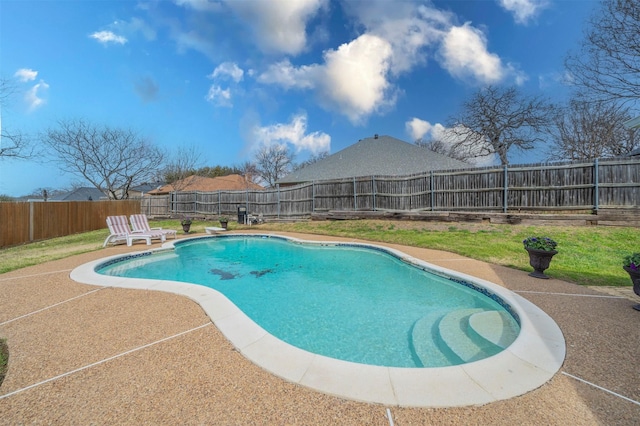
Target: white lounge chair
(120, 231)
(139, 223)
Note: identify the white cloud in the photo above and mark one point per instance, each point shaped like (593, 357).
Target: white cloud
(228, 69)
(464, 54)
(523, 10)
(106, 37)
(279, 27)
(421, 129)
(352, 80)
(284, 74)
(34, 97)
(355, 77)
(25, 74)
(414, 31)
(219, 96)
(408, 28)
(293, 133)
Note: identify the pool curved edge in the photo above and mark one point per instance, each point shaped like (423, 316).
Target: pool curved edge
(529, 362)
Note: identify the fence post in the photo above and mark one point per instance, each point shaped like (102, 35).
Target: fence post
(219, 206)
(355, 196)
(246, 216)
(596, 188)
(31, 215)
(278, 189)
(433, 192)
(373, 188)
(313, 197)
(506, 189)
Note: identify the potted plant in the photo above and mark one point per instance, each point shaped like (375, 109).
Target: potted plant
(224, 221)
(186, 224)
(631, 264)
(541, 250)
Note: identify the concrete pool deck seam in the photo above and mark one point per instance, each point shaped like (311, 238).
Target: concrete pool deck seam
(633, 401)
(19, 277)
(102, 361)
(51, 306)
(533, 359)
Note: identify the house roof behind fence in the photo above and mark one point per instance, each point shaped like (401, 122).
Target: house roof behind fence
(376, 156)
(207, 184)
(84, 193)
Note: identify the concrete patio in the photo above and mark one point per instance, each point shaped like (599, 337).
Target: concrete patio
(83, 354)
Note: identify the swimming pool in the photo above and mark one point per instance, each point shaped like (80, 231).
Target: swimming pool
(532, 359)
(345, 301)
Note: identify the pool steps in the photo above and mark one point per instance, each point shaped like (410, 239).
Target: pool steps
(492, 326)
(424, 346)
(467, 335)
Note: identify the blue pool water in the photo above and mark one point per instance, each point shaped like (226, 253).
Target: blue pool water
(352, 303)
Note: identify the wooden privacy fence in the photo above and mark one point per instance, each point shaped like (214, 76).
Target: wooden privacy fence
(593, 185)
(22, 222)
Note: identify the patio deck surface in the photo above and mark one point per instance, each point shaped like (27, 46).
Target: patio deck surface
(84, 354)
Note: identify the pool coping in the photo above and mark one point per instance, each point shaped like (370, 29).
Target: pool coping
(533, 359)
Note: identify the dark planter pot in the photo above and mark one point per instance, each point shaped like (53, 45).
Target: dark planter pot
(540, 260)
(186, 228)
(224, 224)
(635, 279)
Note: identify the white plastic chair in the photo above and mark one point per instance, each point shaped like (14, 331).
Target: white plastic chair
(139, 223)
(120, 231)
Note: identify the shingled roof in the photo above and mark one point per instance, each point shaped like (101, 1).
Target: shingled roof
(376, 156)
(84, 193)
(206, 184)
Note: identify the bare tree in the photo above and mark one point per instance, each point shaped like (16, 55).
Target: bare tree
(273, 162)
(608, 62)
(217, 171)
(111, 159)
(587, 130)
(441, 146)
(495, 120)
(13, 144)
(249, 171)
(314, 158)
(182, 165)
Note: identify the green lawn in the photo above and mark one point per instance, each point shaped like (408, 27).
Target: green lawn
(4, 359)
(587, 255)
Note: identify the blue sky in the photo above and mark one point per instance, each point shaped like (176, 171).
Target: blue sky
(231, 76)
